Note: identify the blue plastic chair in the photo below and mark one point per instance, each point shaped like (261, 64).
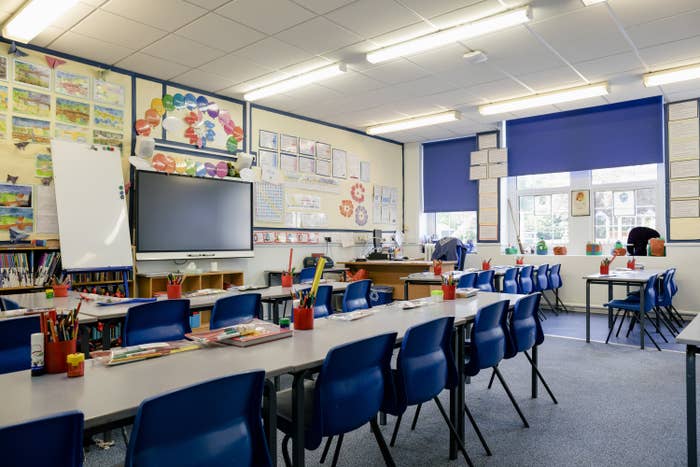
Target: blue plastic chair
(161, 321)
(346, 395)
(307, 275)
(541, 283)
(484, 281)
(15, 346)
(235, 309)
(323, 306)
(664, 301)
(525, 285)
(425, 366)
(467, 281)
(555, 283)
(6, 304)
(56, 440)
(672, 311)
(225, 430)
(633, 307)
(356, 296)
(510, 284)
(461, 257)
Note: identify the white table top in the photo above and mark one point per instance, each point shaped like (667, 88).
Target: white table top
(638, 275)
(106, 394)
(39, 300)
(690, 335)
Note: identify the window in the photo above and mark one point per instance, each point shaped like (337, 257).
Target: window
(544, 217)
(633, 173)
(553, 180)
(456, 224)
(617, 211)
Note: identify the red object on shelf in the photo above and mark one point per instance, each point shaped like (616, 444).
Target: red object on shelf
(485, 265)
(56, 355)
(437, 269)
(286, 280)
(605, 269)
(174, 291)
(448, 292)
(60, 290)
(631, 263)
(303, 319)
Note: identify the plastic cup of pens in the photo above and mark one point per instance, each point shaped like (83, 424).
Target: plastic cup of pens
(286, 280)
(303, 318)
(56, 355)
(174, 291)
(448, 291)
(60, 290)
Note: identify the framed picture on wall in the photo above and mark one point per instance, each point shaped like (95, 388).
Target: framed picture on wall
(307, 147)
(580, 203)
(323, 167)
(323, 151)
(267, 139)
(289, 144)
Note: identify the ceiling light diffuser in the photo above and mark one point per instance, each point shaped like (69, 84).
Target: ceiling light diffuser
(547, 98)
(454, 34)
(672, 75)
(415, 122)
(295, 82)
(592, 2)
(34, 17)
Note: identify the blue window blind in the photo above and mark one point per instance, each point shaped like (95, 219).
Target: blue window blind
(446, 184)
(614, 135)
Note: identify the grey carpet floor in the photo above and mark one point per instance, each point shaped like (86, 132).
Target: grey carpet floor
(617, 406)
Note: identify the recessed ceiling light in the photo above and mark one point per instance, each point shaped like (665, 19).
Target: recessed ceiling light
(475, 56)
(304, 79)
(415, 122)
(592, 2)
(672, 75)
(548, 98)
(450, 35)
(34, 17)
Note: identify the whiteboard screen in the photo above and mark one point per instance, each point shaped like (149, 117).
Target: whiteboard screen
(93, 220)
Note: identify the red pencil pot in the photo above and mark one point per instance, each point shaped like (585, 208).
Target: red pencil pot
(56, 354)
(303, 319)
(60, 290)
(605, 269)
(437, 269)
(519, 261)
(631, 264)
(174, 291)
(448, 292)
(485, 265)
(286, 280)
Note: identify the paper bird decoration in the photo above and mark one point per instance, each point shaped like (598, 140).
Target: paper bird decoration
(13, 50)
(53, 62)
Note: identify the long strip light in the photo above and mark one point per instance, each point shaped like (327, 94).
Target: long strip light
(34, 17)
(447, 36)
(415, 122)
(548, 98)
(592, 2)
(298, 81)
(673, 75)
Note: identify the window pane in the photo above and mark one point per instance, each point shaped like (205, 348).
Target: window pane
(543, 205)
(623, 203)
(632, 173)
(560, 203)
(631, 209)
(646, 197)
(461, 225)
(548, 221)
(603, 199)
(553, 180)
(527, 204)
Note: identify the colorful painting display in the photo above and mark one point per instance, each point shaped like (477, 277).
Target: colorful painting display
(22, 218)
(72, 85)
(3, 98)
(68, 111)
(30, 73)
(3, 67)
(109, 93)
(107, 117)
(3, 126)
(29, 130)
(15, 196)
(36, 104)
(43, 166)
(107, 138)
(71, 133)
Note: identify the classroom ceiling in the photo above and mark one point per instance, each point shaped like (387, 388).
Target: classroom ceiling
(229, 46)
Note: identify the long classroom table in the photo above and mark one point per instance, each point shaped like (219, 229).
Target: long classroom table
(389, 272)
(110, 396)
(690, 336)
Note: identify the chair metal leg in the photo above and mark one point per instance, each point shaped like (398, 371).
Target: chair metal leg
(619, 328)
(549, 303)
(477, 430)
(510, 396)
(285, 451)
(633, 321)
(415, 417)
(539, 375)
(326, 448)
(460, 442)
(652, 340)
(388, 460)
(396, 431)
(493, 375)
(612, 328)
(656, 326)
(677, 315)
(559, 301)
(125, 437)
(337, 451)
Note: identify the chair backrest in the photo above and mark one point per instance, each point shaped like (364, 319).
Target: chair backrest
(225, 430)
(425, 365)
(15, 347)
(461, 257)
(542, 280)
(555, 277)
(488, 338)
(525, 329)
(235, 309)
(356, 296)
(161, 321)
(484, 281)
(323, 306)
(7, 304)
(525, 285)
(674, 285)
(650, 293)
(510, 285)
(467, 281)
(56, 440)
(664, 295)
(351, 386)
(307, 274)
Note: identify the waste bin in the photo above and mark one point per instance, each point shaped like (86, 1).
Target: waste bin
(381, 295)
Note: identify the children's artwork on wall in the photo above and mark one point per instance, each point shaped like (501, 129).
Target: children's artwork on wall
(15, 196)
(75, 112)
(289, 163)
(3, 98)
(307, 165)
(357, 192)
(267, 159)
(71, 133)
(108, 93)
(361, 216)
(36, 104)
(267, 139)
(323, 151)
(107, 117)
(3, 126)
(71, 84)
(107, 138)
(29, 130)
(580, 203)
(339, 163)
(346, 208)
(44, 166)
(307, 147)
(3, 67)
(32, 74)
(21, 218)
(289, 144)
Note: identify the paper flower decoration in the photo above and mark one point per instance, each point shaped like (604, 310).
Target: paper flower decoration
(357, 192)
(361, 215)
(346, 208)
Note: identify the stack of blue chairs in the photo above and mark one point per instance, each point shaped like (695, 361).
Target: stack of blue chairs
(541, 284)
(555, 283)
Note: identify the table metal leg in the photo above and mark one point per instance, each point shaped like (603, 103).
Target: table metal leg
(457, 393)
(588, 311)
(610, 297)
(690, 390)
(298, 420)
(405, 290)
(85, 340)
(534, 373)
(270, 419)
(276, 312)
(641, 315)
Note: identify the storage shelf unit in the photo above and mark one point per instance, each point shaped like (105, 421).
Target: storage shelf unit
(149, 284)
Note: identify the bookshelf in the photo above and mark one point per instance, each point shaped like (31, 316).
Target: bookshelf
(149, 284)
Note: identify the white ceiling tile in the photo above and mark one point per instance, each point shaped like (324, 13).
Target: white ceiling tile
(584, 34)
(220, 33)
(672, 54)
(402, 34)
(370, 18)
(178, 14)
(47, 36)
(273, 53)
(545, 9)
(10, 6)
(236, 68)
(426, 86)
(94, 2)
(79, 11)
(407, 136)
(117, 30)
(352, 55)
(182, 50)
(395, 72)
(318, 36)
(92, 49)
(203, 80)
(602, 68)
(665, 30)
(470, 12)
(454, 98)
(470, 74)
(313, 92)
(435, 132)
(352, 82)
(442, 59)
(208, 4)
(429, 9)
(322, 6)
(548, 80)
(152, 66)
(416, 107)
(269, 16)
(682, 96)
(631, 12)
(499, 90)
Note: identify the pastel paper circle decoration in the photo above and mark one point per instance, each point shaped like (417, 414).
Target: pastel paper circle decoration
(202, 103)
(159, 162)
(142, 127)
(169, 164)
(152, 117)
(209, 124)
(190, 101)
(211, 169)
(221, 169)
(238, 133)
(180, 166)
(190, 168)
(179, 101)
(210, 135)
(231, 144)
(224, 117)
(168, 103)
(229, 127)
(157, 105)
(200, 170)
(172, 123)
(213, 110)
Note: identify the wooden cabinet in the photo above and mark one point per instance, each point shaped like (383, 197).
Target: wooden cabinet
(149, 284)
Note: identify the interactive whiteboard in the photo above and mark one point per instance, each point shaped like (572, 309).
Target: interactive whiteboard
(93, 220)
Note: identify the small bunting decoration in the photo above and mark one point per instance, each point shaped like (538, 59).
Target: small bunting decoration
(13, 50)
(53, 62)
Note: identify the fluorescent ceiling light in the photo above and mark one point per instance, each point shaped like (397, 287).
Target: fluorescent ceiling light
(548, 98)
(295, 82)
(592, 2)
(450, 35)
(34, 17)
(672, 75)
(415, 122)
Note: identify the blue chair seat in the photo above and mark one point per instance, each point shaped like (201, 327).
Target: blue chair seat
(629, 305)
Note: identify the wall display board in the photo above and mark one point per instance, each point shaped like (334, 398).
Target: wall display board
(338, 169)
(683, 170)
(489, 163)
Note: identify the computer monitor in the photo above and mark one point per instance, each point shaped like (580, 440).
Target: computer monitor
(377, 238)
